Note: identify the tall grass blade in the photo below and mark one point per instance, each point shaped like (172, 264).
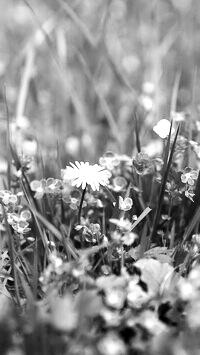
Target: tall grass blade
(143, 241)
(35, 269)
(138, 145)
(167, 149)
(56, 233)
(195, 219)
(172, 236)
(175, 91)
(167, 161)
(140, 218)
(8, 139)
(196, 202)
(12, 256)
(25, 81)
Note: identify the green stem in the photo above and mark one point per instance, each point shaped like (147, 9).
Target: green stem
(81, 204)
(122, 257)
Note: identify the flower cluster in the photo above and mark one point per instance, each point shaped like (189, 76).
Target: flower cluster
(109, 161)
(49, 186)
(20, 222)
(188, 178)
(8, 199)
(72, 198)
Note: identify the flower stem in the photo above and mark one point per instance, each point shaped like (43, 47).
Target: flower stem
(122, 257)
(81, 204)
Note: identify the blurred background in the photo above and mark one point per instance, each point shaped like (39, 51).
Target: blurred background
(76, 75)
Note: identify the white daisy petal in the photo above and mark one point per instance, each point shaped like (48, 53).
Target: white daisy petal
(73, 166)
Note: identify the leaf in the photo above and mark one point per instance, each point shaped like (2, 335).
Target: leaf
(162, 254)
(154, 274)
(134, 252)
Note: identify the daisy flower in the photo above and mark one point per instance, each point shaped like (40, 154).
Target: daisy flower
(83, 174)
(162, 128)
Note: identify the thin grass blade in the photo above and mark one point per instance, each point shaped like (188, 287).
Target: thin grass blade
(56, 233)
(167, 161)
(12, 256)
(140, 218)
(195, 219)
(138, 145)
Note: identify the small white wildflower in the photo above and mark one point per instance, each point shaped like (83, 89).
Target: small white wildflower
(162, 128)
(5, 197)
(111, 344)
(21, 227)
(189, 176)
(115, 297)
(129, 238)
(189, 195)
(38, 187)
(25, 215)
(119, 183)
(125, 204)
